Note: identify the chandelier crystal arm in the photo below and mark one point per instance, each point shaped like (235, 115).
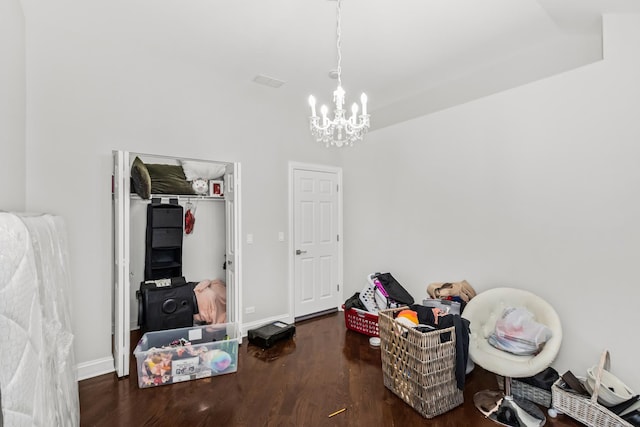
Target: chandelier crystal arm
(339, 131)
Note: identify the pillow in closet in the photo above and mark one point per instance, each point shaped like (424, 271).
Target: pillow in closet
(168, 179)
(158, 179)
(203, 170)
(140, 178)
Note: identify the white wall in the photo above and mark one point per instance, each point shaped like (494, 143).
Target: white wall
(12, 106)
(96, 85)
(535, 188)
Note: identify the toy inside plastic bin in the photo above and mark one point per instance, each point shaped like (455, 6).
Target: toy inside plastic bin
(361, 321)
(176, 355)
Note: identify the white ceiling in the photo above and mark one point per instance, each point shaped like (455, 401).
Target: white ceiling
(411, 57)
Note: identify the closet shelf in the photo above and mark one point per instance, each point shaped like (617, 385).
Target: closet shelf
(185, 197)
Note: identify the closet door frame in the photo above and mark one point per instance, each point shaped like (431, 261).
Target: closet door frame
(121, 234)
(121, 288)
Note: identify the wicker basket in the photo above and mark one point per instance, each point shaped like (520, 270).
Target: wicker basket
(587, 410)
(418, 367)
(361, 321)
(527, 391)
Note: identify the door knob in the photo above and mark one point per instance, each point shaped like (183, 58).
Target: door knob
(299, 252)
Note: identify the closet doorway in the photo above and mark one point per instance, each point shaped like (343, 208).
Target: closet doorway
(315, 244)
(211, 251)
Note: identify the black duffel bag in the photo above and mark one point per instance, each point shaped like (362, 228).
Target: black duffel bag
(394, 289)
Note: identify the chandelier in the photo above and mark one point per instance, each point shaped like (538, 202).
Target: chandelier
(340, 131)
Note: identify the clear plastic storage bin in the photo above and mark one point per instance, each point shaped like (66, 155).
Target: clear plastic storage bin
(176, 355)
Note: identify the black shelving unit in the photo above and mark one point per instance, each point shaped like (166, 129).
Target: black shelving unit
(163, 255)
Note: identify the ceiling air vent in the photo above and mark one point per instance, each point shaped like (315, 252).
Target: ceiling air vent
(267, 81)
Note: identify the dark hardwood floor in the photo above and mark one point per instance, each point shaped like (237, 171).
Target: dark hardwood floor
(298, 382)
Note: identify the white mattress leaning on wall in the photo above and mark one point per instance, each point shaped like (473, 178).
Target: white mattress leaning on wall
(37, 381)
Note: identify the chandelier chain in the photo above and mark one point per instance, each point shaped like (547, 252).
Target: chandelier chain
(338, 41)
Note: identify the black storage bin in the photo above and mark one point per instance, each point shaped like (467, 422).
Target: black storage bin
(166, 217)
(166, 238)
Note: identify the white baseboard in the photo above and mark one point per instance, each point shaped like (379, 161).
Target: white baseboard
(93, 368)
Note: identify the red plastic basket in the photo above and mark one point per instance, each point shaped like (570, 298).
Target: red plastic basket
(361, 321)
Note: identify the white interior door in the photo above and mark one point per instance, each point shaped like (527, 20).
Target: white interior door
(316, 240)
(232, 258)
(121, 300)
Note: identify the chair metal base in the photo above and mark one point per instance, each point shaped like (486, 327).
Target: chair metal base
(508, 410)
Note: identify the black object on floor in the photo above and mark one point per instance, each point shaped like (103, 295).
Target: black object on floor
(267, 335)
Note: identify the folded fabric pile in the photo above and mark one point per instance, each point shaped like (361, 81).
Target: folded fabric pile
(519, 333)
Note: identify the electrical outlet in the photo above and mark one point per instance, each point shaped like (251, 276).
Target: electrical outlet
(281, 236)
(249, 310)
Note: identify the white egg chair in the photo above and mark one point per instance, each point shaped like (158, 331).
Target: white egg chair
(482, 312)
